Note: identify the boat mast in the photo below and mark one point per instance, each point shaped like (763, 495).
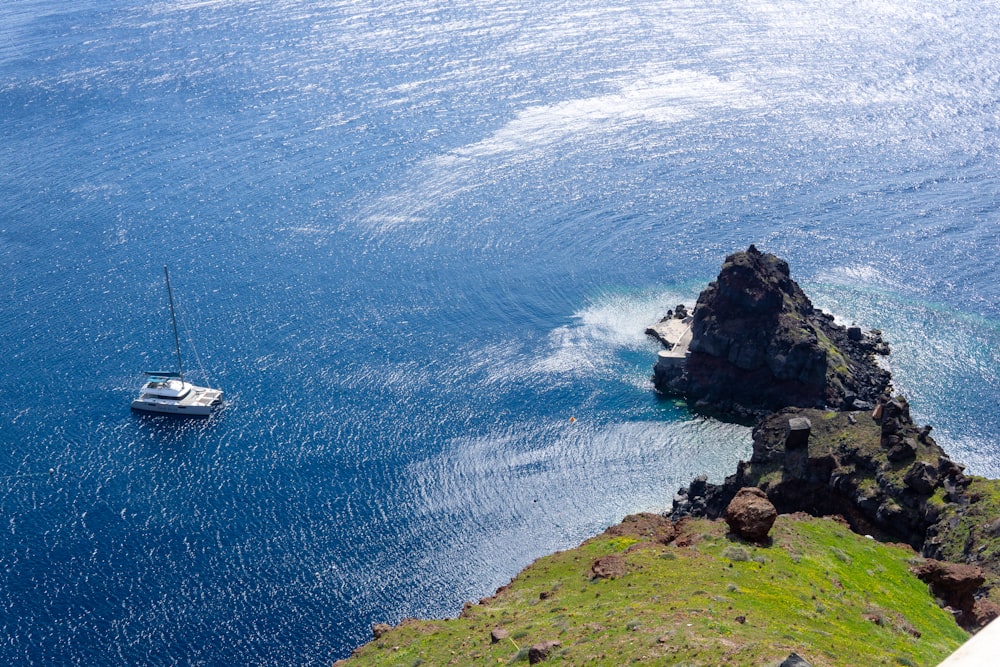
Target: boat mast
(173, 318)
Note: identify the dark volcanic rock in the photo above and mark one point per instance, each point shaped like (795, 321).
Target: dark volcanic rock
(758, 345)
(922, 477)
(847, 470)
(794, 660)
(901, 450)
(798, 433)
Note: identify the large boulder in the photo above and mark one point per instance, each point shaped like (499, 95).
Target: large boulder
(922, 477)
(750, 514)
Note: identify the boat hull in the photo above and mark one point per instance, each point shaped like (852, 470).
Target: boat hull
(181, 410)
(197, 402)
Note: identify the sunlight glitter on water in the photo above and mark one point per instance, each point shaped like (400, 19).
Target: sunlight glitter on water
(416, 238)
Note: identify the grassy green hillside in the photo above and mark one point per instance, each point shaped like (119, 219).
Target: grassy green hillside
(834, 597)
(972, 534)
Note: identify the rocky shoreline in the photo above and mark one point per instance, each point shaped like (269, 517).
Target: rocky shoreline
(830, 439)
(888, 478)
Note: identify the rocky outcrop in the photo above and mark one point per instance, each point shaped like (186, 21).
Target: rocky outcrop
(794, 660)
(848, 466)
(955, 583)
(759, 345)
(887, 477)
(757, 348)
(750, 514)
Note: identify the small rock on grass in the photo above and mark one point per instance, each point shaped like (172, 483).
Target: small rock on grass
(542, 651)
(794, 660)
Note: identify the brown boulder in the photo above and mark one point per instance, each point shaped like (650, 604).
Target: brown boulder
(611, 566)
(542, 651)
(750, 514)
(984, 611)
(955, 583)
(497, 635)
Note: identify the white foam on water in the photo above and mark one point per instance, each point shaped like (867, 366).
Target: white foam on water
(612, 323)
(590, 344)
(667, 97)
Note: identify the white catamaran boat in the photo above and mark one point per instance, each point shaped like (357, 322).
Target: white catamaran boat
(167, 392)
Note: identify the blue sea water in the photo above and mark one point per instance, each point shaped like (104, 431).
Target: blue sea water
(411, 241)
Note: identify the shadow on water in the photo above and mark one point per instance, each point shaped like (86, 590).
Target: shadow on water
(678, 408)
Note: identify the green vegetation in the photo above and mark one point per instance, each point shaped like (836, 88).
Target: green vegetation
(837, 365)
(835, 433)
(970, 534)
(834, 430)
(834, 597)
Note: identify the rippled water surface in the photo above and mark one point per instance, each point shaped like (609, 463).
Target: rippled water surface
(417, 244)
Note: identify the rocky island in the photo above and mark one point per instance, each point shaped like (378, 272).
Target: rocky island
(758, 345)
(849, 536)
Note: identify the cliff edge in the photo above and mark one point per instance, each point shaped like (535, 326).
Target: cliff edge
(888, 478)
(759, 348)
(689, 588)
(653, 592)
